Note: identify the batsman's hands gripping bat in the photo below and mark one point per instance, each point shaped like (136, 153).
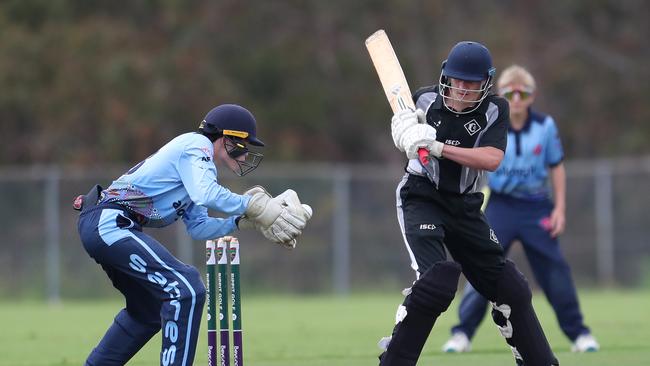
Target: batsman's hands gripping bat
(394, 82)
(401, 122)
(421, 136)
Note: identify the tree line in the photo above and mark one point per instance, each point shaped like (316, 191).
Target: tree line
(85, 82)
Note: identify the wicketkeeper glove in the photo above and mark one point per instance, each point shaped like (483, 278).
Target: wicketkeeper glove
(258, 210)
(280, 219)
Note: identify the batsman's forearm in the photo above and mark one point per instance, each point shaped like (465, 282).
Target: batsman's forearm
(485, 158)
(558, 181)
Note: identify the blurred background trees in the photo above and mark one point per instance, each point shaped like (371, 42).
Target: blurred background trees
(84, 81)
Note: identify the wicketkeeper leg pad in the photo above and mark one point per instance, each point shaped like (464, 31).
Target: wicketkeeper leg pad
(515, 317)
(430, 296)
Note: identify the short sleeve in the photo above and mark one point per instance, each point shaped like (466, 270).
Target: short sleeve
(554, 151)
(498, 119)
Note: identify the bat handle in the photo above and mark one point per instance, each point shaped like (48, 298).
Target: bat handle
(423, 155)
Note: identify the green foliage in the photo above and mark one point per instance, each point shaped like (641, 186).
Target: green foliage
(110, 81)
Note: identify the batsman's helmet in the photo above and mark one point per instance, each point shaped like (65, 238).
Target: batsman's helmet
(469, 61)
(237, 126)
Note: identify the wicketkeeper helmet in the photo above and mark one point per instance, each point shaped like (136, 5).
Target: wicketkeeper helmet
(238, 128)
(231, 120)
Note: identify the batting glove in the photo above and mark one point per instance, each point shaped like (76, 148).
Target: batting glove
(402, 121)
(421, 136)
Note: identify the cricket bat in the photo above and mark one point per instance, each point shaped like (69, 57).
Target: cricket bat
(393, 80)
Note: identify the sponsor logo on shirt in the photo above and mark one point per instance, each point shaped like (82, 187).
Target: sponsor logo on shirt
(472, 127)
(452, 142)
(516, 172)
(427, 227)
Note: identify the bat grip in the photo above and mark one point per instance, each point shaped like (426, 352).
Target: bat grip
(423, 155)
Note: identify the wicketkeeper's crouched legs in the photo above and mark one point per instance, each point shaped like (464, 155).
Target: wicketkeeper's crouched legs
(167, 298)
(515, 317)
(123, 339)
(430, 296)
(179, 318)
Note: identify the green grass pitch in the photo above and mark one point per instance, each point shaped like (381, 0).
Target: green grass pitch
(319, 331)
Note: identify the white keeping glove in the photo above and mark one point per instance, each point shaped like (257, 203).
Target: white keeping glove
(244, 222)
(261, 210)
(421, 135)
(291, 221)
(401, 121)
(280, 219)
(292, 202)
(285, 229)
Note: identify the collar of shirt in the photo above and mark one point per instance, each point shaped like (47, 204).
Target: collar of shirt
(533, 116)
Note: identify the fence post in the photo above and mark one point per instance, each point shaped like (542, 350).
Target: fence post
(604, 222)
(341, 231)
(52, 235)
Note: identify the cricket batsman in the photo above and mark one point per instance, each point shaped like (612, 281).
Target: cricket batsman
(464, 128)
(179, 181)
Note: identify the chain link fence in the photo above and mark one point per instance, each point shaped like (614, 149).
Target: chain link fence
(353, 242)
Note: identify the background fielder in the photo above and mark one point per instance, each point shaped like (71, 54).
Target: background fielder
(520, 208)
(178, 181)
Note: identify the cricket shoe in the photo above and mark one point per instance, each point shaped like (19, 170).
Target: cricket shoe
(457, 343)
(585, 343)
(383, 343)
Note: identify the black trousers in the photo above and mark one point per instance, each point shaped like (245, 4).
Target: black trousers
(432, 220)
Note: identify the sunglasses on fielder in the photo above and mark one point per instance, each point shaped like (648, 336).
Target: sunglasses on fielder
(509, 93)
(236, 147)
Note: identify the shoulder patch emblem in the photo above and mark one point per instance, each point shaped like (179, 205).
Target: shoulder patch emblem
(493, 236)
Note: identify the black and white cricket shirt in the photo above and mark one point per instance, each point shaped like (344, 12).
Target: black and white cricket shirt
(486, 126)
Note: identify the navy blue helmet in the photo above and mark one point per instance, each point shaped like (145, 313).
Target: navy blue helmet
(468, 61)
(238, 128)
(231, 120)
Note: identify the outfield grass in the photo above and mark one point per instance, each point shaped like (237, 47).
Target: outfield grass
(319, 331)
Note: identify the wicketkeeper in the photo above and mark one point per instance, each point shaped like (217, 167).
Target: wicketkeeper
(464, 129)
(179, 181)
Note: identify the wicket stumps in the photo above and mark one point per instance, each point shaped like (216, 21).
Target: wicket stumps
(225, 251)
